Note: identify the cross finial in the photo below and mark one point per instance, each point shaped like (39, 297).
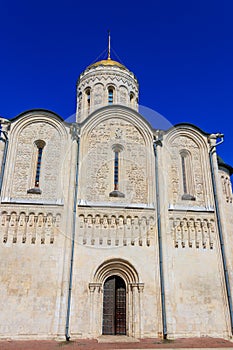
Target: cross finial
(109, 45)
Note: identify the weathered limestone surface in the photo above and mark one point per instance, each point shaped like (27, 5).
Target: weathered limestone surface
(97, 80)
(30, 284)
(87, 260)
(132, 216)
(98, 179)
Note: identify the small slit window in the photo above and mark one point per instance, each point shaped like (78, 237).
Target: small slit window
(131, 97)
(116, 168)
(187, 175)
(40, 144)
(88, 99)
(184, 175)
(38, 166)
(110, 96)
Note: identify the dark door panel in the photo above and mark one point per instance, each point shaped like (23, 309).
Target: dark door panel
(114, 307)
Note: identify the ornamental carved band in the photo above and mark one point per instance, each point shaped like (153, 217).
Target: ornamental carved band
(193, 232)
(31, 228)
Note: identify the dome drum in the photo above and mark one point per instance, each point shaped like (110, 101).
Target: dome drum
(105, 83)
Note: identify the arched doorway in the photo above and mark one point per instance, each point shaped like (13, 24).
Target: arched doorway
(114, 306)
(125, 279)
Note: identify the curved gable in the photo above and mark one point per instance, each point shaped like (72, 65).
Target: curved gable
(105, 131)
(30, 129)
(187, 151)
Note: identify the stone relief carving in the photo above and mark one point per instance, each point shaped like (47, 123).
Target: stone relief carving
(111, 230)
(226, 188)
(182, 142)
(111, 129)
(98, 94)
(108, 77)
(24, 167)
(193, 232)
(174, 184)
(176, 187)
(101, 179)
(118, 133)
(29, 228)
(132, 162)
(137, 187)
(123, 95)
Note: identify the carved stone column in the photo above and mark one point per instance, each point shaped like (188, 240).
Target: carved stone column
(92, 290)
(135, 326)
(133, 308)
(95, 309)
(141, 318)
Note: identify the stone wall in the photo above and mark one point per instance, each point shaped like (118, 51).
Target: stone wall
(22, 159)
(136, 162)
(113, 235)
(195, 292)
(226, 210)
(33, 229)
(97, 80)
(31, 249)
(29, 226)
(197, 169)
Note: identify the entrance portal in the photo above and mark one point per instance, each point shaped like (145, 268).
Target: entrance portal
(114, 306)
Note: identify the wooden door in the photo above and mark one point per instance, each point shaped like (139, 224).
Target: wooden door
(114, 306)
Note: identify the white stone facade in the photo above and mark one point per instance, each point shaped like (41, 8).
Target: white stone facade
(110, 199)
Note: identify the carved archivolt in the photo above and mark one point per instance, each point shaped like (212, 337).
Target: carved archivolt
(31, 228)
(118, 267)
(128, 273)
(193, 232)
(107, 230)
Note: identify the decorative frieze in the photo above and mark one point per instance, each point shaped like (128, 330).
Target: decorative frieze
(193, 232)
(31, 228)
(110, 230)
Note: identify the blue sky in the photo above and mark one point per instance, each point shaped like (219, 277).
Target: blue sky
(180, 51)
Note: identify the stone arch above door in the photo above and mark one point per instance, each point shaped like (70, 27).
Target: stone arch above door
(118, 267)
(134, 288)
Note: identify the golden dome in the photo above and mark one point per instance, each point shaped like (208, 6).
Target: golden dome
(108, 62)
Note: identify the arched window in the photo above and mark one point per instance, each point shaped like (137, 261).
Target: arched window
(116, 170)
(131, 97)
(40, 145)
(88, 100)
(184, 157)
(187, 175)
(110, 96)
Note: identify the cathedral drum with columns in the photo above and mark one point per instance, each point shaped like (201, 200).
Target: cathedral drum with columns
(109, 226)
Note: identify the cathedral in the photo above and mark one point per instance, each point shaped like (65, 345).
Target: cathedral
(109, 226)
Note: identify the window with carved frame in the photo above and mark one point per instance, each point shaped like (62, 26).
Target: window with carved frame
(117, 149)
(39, 145)
(187, 175)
